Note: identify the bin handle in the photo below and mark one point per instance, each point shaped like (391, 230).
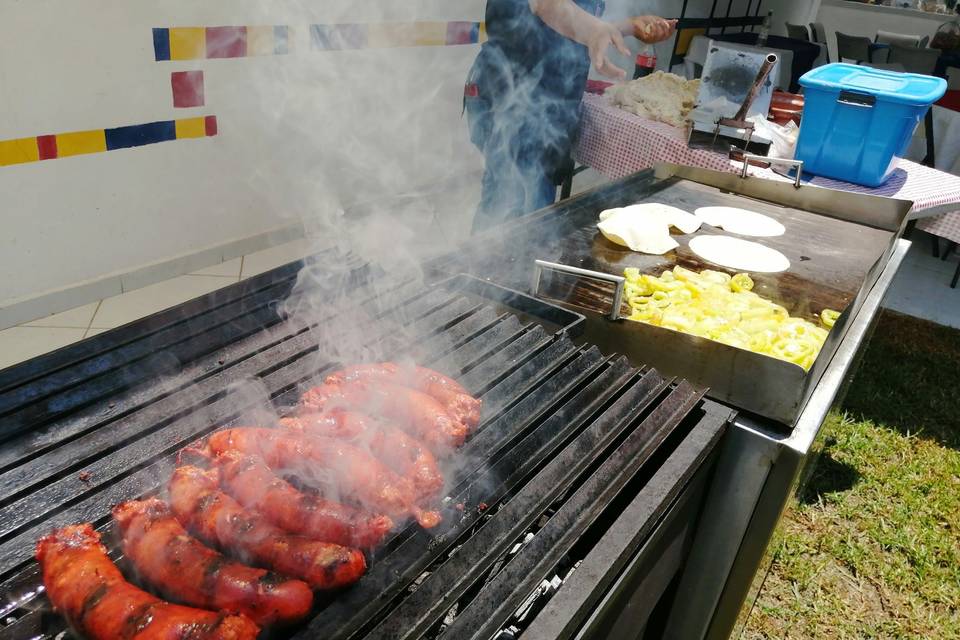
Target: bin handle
(855, 99)
(618, 281)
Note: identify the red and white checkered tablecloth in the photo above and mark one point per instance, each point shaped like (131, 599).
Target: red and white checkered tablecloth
(617, 143)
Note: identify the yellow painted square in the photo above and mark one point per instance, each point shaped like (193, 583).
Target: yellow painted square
(188, 43)
(685, 37)
(430, 34)
(483, 32)
(80, 142)
(389, 35)
(18, 151)
(190, 128)
(260, 41)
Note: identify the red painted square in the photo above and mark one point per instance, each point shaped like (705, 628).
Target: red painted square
(226, 42)
(187, 88)
(210, 124)
(47, 146)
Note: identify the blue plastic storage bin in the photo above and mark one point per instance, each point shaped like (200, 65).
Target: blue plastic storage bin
(857, 121)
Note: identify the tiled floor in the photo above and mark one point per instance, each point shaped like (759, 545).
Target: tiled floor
(922, 288)
(46, 334)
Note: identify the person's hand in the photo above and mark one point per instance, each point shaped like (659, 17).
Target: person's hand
(598, 44)
(652, 29)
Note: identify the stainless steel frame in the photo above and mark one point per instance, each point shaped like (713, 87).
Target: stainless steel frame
(757, 474)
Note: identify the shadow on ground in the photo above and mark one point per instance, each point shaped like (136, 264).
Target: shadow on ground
(828, 476)
(907, 354)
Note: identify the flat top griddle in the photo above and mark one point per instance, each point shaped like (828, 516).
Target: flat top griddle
(837, 244)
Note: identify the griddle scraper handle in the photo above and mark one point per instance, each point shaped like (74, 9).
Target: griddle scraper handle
(618, 281)
(765, 69)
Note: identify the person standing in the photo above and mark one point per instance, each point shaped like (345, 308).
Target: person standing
(522, 96)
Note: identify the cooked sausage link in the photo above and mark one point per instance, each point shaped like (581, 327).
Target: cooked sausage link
(218, 519)
(413, 411)
(255, 486)
(86, 587)
(456, 400)
(184, 569)
(397, 449)
(354, 473)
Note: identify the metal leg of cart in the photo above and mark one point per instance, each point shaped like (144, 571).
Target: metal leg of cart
(956, 277)
(935, 241)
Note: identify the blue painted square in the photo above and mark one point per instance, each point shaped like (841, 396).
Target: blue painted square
(161, 44)
(140, 134)
(475, 33)
(281, 40)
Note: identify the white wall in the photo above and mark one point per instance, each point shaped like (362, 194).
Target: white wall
(298, 133)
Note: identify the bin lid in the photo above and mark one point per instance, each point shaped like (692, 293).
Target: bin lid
(893, 86)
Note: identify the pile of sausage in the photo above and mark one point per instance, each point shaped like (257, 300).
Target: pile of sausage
(372, 433)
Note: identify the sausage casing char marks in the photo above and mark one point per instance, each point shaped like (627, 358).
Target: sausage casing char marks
(461, 406)
(218, 519)
(184, 569)
(355, 473)
(400, 451)
(86, 587)
(413, 411)
(255, 486)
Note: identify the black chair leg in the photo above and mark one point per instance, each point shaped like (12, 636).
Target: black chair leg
(951, 245)
(936, 246)
(956, 277)
(931, 158)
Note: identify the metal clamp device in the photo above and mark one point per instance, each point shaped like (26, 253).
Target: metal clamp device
(618, 281)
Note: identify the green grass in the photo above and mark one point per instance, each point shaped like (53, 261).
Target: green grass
(872, 550)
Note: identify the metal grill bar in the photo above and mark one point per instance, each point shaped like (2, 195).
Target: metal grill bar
(518, 579)
(445, 586)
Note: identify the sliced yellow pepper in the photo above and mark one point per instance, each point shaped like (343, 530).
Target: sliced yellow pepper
(741, 282)
(829, 317)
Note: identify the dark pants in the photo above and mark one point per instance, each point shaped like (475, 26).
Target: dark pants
(515, 178)
(526, 139)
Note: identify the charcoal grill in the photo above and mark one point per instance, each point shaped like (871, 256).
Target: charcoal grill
(578, 491)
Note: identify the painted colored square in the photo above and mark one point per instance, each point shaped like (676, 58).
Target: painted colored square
(430, 34)
(161, 44)
(226, 42)
(18, 151)
(336, 37)
(260, 41)
(187, 89)
(80, 142)
(47, 147)
(191, 128)
(481, 32)
(210, 125)
(188, 43)
(461, 33)
(281, 40)
(138, 135)
(388, 35)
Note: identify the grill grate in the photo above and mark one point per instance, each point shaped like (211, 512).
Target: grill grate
(566, 433)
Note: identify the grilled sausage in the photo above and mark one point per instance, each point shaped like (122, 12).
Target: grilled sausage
(413, 411)
(184, 569)
(218, 519)
(397, 449)
(459, 404)
(85, 586)
(255, 486)
(353, 472)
